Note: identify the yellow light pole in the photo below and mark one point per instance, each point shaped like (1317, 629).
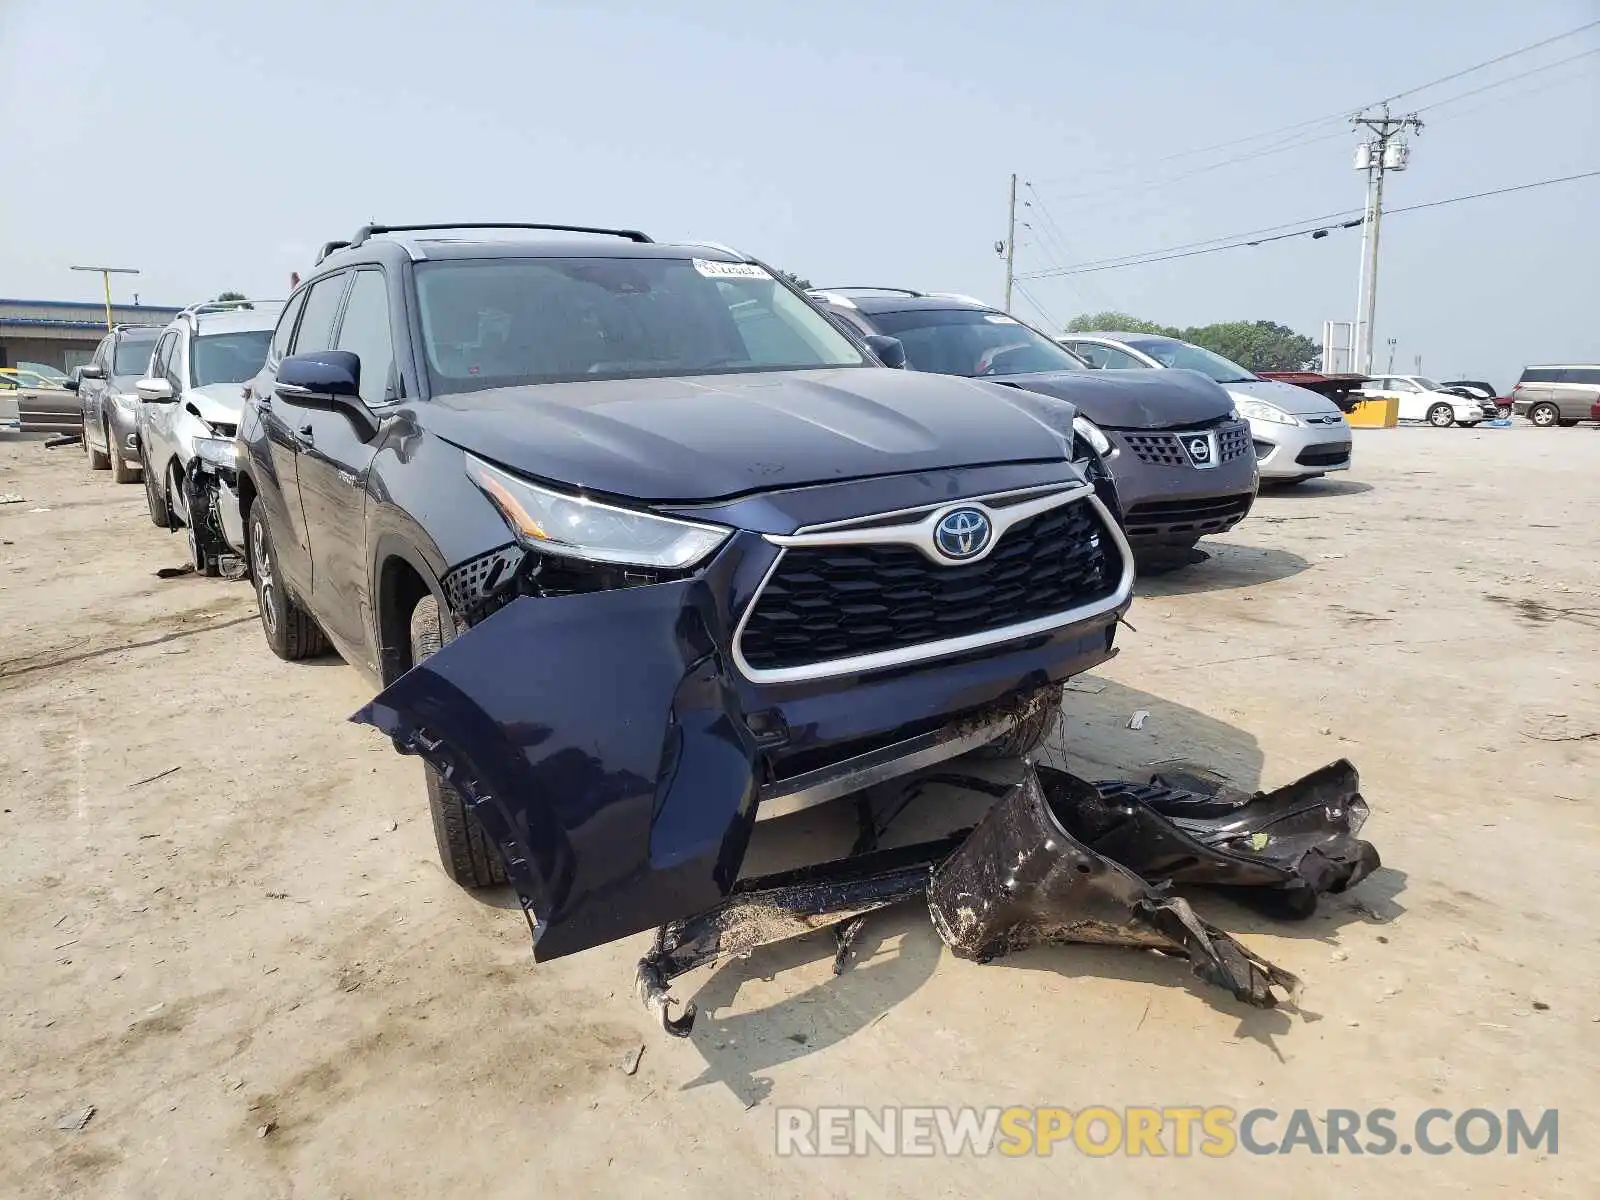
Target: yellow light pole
(105, 274)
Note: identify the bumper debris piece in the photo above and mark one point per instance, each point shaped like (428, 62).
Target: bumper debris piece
(1058, 859)
(774, 908)
(1280, 850)
(1023, 878)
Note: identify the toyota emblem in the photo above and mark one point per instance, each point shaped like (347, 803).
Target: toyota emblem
(962, 533)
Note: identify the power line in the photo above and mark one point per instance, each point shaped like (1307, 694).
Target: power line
(1508, 79)
(1341, 114)
(1303, 225)
(1154, 256)
(1499, 58)
(1520, 187)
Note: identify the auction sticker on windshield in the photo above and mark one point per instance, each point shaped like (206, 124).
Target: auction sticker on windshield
(722, 270)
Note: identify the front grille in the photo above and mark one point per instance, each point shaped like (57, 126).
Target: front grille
(1330, 455)
(829, 602)
(1210, 514)
(1162, 449)
(1233, 441)
(1166, 449)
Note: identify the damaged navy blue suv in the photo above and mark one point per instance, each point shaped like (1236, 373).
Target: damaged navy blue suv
(641, 546)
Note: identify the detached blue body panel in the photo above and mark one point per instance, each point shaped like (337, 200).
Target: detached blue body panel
(599, 742)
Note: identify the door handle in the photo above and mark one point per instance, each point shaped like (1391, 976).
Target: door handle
(305, 436)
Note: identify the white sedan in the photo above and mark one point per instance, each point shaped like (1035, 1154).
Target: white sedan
(1421, 399)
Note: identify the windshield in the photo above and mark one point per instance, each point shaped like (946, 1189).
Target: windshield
(228, 357)
(1184, 357)
(133, 353)
(490, 323)
(972, 342)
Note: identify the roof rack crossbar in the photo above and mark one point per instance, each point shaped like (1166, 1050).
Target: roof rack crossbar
(367, 231)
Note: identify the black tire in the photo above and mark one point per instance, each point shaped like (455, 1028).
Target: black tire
(121, 472)
(289, 629)
(1544, 415)
(1441, 416)
(1028, 735)
(154, 496)
(97, 461)
(466, 855)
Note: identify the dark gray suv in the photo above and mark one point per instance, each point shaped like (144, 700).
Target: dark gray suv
(641, 547)
(1178, 450)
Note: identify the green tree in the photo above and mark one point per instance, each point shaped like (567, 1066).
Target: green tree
(803, 284)
(223, 297)
(1254, 345)
(1258, 345)
(1118, 322)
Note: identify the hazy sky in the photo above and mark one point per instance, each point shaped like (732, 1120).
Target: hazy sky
(216, 145)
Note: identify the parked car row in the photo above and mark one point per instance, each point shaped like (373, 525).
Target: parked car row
(151, 397)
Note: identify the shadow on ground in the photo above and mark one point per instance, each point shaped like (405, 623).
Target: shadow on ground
(1229, 565)
(898, 950)
(1314, 489)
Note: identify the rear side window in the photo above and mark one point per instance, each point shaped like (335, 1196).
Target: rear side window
(316, 324)
(364, 332)
(285, 331)
(1584, 375)
(1540, 375)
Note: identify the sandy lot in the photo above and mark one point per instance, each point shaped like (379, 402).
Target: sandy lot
(225, 929)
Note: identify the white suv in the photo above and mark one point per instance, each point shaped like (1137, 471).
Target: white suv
(194, 392)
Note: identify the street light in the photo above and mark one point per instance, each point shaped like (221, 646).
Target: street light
(106, 273)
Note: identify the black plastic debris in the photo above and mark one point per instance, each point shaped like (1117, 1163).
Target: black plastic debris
(1058, 859)
(1279, 850)
(1022, 878)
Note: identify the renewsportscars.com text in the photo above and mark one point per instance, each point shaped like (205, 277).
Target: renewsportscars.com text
(1178, 1131)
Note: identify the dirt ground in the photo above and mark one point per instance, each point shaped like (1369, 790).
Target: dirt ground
(226, 931)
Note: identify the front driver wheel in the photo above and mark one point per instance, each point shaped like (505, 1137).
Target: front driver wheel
(468, 857)
(97, 461)
(1441, 416)
(154, 498)
(121, 472)
(289, 629)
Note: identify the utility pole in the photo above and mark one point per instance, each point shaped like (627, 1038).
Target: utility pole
(105, 274)
(1392, 343)
(1011, 243)
(1387, 151)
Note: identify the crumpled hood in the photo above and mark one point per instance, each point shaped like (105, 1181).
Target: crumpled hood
(217, 403)
(1297, 400)
(709, 437)
(1133, 399)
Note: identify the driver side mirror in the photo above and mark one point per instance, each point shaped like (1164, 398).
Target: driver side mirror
(154, 391)
(92, 371)
(891, 351)
(328, 381)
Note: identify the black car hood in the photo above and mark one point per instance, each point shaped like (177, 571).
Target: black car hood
(709, 437)
(1133, 399)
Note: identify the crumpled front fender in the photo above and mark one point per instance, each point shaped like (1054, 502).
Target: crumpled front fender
(599, 743)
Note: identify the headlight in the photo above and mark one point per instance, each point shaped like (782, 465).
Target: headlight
(217, 452)
(573, 527)
(1091, 433)
(1260, 410)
